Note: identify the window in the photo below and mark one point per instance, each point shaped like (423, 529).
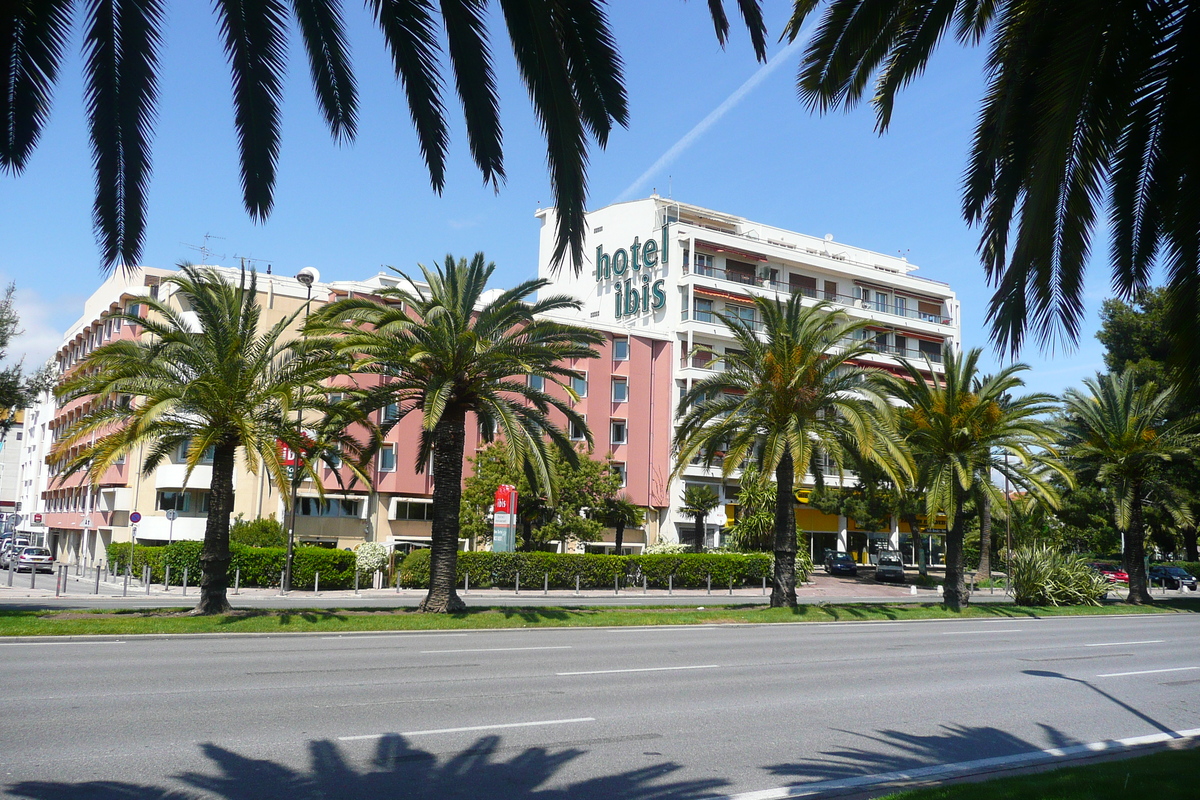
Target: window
(802, 284)
(414, 511)
(576, 431)
(620, 349)
(619, 468)
(745, 313)
(620, 390)
(902, 306)
(881, 302)
(182, 454)
(116, 325)
(702, 310)
(618, 432)
(316, 507)
(387, 458)
(336, 397)
(579, 384)
(537, 383)
(831, 290)
(704, 264)
(389, 413)
(333, 457)
(173, 501)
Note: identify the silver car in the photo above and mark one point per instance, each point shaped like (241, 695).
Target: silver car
(31, 558)
(890, 568)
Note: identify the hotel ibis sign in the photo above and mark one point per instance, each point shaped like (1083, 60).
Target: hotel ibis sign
(630, 268)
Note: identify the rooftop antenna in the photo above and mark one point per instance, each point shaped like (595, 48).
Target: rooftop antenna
(670, 187)
(251, 260)
(204, 250)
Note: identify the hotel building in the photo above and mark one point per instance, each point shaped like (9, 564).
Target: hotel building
(659, 275)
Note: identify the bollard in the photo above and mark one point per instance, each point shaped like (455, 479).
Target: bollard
(356, 583)
(645, 584)
(33, 577)
(237, 580)
(671, 583)
(58, 582)
(377, 581)
(518, 581)
(466, 583)
(576, 585)
(546, 583)
(731, 587)
(709, 589)
(316, 584)
(616, 584)
(10, 573)
(167, 579)
(96, 590)
(282, 572)
(125, 589)
(185, 570)
(146, 578)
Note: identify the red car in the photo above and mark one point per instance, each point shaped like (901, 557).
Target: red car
(1113, 573)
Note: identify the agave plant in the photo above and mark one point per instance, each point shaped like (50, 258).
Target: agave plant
(1043, 576)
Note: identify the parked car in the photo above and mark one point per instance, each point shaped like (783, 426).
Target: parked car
(840, 563)
(1113, 573)
(8, 548)
(889, 568)
(31, 558)
(1172, 578)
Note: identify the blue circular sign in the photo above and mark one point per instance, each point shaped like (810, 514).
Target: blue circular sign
(135, 517)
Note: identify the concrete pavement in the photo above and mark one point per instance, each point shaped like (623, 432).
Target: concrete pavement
(662, 713)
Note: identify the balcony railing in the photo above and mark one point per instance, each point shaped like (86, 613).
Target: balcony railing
(887, 307)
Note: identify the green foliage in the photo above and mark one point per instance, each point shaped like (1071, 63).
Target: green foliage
(489, 570)
(260, 566)
(267, 532)
(754, 528)
(1191, 566)
(1042, 575)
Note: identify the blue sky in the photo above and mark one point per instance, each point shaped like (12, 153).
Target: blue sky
(348, 210)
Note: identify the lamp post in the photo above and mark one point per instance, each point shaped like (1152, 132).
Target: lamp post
(307, 276)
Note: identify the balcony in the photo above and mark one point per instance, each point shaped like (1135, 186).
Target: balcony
(890, 308)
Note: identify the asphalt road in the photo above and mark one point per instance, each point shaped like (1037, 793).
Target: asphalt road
(653, 713)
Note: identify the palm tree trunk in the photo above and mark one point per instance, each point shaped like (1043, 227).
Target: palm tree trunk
(985, 538)
(783, 587)
(955, 594)
(1135, 553)
(619, 539)
(1189, 544)
(698, 534)
(214, 557)
(449, 437)
(914, 530)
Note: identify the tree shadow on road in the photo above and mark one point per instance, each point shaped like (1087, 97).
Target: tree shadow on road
(396, 771)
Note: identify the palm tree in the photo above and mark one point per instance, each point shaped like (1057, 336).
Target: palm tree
(783, 398)
(214, 382)
(620, 512)
(1088, 108)
(1117, 434)
(566, 56)
(958, 427)
(699, 501)
(445, 351)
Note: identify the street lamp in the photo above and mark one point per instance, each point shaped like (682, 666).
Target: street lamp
(307, 276)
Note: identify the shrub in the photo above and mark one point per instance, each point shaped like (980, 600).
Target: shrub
(1191, 566)
(267, 532)
(664, 547)
(488, 570)
(260, 566)
(370, 556)
(1043, 576)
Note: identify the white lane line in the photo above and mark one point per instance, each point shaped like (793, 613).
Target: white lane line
(1123, 644)
(394, 635)
(638, 669)
(37, 644)
(468, 729)
(501, 649)
(1145, 672)
(977, 767)
(967, 633)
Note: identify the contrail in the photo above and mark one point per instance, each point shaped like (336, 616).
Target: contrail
(668, 158)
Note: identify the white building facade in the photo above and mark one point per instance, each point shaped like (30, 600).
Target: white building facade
(667, 270)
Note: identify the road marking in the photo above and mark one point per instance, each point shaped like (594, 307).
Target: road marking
(1122, 644)
(468, 729)
(393, 635)
(638, 669)
(37, 644)
(501, 649)
(964, 633)
(977, 767)
(1145, 672)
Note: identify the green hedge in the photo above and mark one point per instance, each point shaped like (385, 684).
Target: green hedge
(260, 566)
(491, 570)
(1191, 566)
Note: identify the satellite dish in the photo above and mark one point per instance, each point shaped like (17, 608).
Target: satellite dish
(829, 237)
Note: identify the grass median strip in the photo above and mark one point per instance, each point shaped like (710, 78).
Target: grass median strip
(176, 620)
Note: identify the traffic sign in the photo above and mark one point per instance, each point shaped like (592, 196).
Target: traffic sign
(135, 517)
(172, 515)
(16, 519)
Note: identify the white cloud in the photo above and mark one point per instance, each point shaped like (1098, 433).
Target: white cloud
(42, 331)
